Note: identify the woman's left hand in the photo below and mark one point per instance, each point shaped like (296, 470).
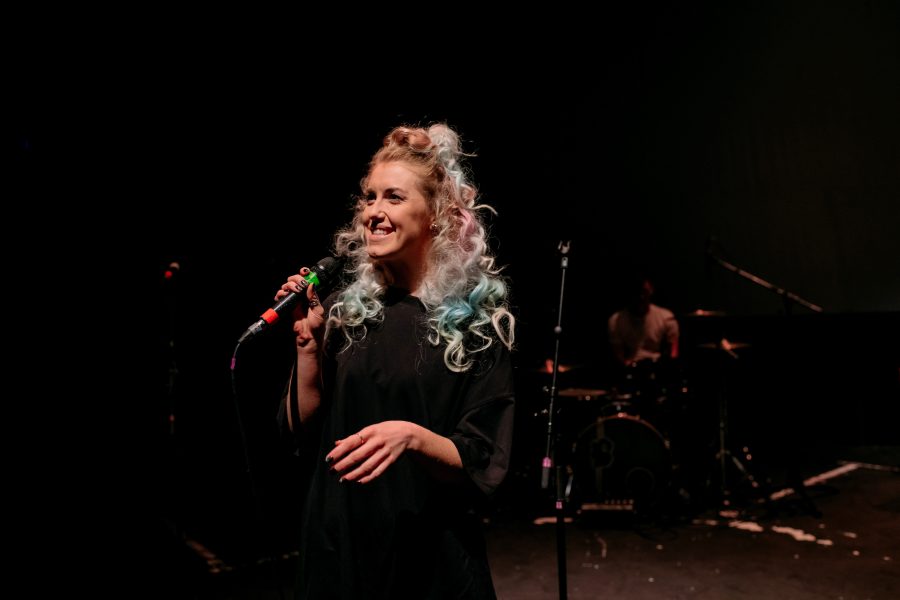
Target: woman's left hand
(366, 454)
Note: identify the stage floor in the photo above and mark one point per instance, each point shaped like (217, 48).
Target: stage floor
(780, 551)
(850, 551)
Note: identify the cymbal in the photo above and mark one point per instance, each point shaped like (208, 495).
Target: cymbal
(724, 344)
(581, 393)
(706, 313)
(547, 367)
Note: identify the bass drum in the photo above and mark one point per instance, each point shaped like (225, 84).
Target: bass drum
(621, 459)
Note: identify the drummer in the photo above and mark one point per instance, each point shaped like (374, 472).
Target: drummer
(642, 331)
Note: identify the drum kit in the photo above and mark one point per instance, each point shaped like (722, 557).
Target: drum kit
(617, 441)
(617, 456)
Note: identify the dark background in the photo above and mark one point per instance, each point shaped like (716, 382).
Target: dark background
(644, 135)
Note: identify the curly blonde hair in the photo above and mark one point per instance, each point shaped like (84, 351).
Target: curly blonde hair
(464, 294)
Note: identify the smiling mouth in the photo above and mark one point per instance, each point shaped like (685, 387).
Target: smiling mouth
(380, 231)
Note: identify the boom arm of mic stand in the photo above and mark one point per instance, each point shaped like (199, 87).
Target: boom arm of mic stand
(787, 295)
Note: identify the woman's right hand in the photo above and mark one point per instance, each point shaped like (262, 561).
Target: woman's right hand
(309, 315)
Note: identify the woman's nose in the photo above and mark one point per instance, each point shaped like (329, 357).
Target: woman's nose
(375, 209)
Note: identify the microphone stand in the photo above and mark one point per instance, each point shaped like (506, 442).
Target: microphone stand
(171, 295)
(549, 460)
(171, 508)
(789, 299)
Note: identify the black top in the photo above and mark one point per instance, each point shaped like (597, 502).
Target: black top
(405, 535)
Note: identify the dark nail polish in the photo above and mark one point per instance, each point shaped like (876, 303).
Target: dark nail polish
(328, 459)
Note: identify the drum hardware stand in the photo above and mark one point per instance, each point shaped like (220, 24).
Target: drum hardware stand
(550, 460)
(724, 456)
(789, 299)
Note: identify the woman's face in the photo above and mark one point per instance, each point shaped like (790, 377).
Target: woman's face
(396, 215)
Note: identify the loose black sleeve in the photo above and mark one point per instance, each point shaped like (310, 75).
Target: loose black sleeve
(483, 434)
(483, 438)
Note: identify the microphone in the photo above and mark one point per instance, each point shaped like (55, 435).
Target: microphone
(323, 275)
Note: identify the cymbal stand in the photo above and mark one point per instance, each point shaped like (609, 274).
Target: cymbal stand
(725, 456)
(790, 300)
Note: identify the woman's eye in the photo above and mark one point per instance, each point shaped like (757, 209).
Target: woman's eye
(390, 197)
